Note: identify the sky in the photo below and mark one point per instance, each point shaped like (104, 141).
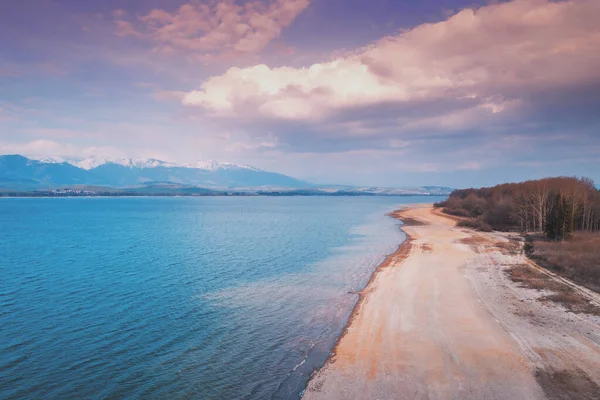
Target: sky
(363, 92)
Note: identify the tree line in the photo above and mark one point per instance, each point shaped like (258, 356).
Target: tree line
(554, 206)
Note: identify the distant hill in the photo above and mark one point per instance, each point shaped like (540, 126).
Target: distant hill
(151, 176)
(19, 172)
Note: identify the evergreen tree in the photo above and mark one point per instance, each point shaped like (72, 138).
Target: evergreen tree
(560, 218)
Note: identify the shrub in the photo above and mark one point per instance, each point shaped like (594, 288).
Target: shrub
(459, 212)
(528, 248)
(476, 224)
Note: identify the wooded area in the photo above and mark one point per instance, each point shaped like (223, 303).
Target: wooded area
(555, 206)
(560, 218)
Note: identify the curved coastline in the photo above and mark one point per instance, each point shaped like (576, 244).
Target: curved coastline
(448, 320)
(401, 252)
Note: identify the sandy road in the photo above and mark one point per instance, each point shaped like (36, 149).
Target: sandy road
(445, 322)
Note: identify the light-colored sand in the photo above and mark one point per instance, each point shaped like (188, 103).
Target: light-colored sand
(446, 323)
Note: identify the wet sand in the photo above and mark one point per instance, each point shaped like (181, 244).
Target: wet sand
(441, 320)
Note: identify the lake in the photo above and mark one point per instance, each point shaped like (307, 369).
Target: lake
(179, 297)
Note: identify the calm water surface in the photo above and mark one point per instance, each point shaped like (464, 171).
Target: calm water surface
(180, 298)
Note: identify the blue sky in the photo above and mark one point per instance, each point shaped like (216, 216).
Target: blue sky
(455, 93)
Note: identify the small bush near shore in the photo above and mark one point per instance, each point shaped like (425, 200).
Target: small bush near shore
(459, 212)
(476, 224)
(412, 221)
(577, 259)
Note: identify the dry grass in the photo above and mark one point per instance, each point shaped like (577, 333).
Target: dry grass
(457, 212)
(531, 278)
(475, 223)
(407, 221)
(565, 384)
(412, 221)
(476, 243)
(442, 213)
(510, 248)
(567, 298)
(475, 240)
(577, 259)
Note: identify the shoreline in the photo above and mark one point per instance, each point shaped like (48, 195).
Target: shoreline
(401, 252)
(441, 318)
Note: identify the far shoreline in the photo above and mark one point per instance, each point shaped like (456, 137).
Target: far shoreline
(51, 196)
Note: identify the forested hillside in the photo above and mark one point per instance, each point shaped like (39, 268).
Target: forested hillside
(556, 206)
(560, 219)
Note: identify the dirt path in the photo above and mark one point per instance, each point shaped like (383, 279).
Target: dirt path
(447, 322)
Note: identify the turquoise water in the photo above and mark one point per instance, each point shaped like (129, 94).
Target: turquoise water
(180, 298)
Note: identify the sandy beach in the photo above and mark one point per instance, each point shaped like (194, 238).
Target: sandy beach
(442, 319)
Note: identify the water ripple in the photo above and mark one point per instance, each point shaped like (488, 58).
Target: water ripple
(195, 298)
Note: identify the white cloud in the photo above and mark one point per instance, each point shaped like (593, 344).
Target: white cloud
(490, 55)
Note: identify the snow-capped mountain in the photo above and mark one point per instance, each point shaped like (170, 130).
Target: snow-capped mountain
(92, 162)
(52, 160)
(136, 174)
(130, 172)
(211, 165)
(95, 161)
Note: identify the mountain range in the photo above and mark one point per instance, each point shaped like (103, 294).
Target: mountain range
(19, 173)
(16, 170)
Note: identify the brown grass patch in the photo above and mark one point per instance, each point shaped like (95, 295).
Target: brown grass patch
(577, 259)
(510, 248)
(565, 384)
(440, 212)
(477, 224)
(475, 241)
(426, 247)
(531, 278)
(574, 302)
(407, 221)
(412, 221)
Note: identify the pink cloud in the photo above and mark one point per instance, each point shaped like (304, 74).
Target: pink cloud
(489, 56)
(119, 13)
(214, 27)
(124, 28)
